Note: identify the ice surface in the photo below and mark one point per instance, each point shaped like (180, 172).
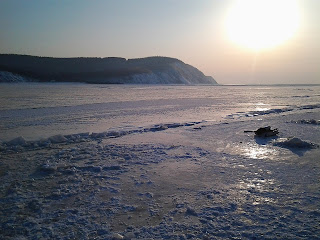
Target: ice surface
(184, 175)
(36, 111)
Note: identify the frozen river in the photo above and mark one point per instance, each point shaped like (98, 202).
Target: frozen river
(38, 110)
(159, 162)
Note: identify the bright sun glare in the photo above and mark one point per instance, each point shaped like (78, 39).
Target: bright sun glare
(262, 24)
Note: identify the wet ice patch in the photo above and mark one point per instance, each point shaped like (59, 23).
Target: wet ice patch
(255, 151)
(267, 111)
(259, 112)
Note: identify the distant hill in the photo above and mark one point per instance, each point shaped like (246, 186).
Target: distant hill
(111, 70)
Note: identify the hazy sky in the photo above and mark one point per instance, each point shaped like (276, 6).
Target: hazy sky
(193, 31)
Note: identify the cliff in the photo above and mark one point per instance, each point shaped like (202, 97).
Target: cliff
(150, 70)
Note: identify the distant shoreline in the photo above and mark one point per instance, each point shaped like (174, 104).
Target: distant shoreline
(110, 70)
(138, 84)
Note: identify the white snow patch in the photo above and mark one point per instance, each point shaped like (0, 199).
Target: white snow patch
(178, 73)
(11, 77)
(294, 142)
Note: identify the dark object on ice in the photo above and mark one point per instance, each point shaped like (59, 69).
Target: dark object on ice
(266, 132)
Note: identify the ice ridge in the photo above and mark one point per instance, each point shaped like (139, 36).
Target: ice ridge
(20, 144)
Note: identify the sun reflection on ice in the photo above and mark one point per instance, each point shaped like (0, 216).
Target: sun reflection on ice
(258, 185)
(260, 107)
(258, 152)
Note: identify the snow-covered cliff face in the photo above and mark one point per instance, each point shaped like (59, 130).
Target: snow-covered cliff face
(11, 77)
(177, 73)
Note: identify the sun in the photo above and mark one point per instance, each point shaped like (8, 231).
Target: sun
(262, 24)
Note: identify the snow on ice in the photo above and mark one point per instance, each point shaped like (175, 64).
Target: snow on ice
(168, 180)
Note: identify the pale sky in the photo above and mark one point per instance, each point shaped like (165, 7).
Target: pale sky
(192, 31)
